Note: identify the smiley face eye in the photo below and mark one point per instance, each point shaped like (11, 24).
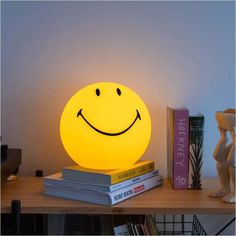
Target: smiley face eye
(98, 92)
(118, 91)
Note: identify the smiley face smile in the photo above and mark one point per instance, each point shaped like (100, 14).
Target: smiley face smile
(106, 133)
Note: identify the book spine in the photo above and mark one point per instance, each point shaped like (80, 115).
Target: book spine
(131, 173)
(134, 189)
(151, 226)
(196, 138)
(181, 146)
(170, 143)
(137, 179)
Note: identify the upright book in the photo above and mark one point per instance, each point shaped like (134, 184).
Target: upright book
(196, 138)
(107, 177)
(177, 147)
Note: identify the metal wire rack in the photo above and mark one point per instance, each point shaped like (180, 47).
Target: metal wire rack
(178, 225)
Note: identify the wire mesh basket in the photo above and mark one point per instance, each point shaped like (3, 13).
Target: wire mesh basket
(178, 225)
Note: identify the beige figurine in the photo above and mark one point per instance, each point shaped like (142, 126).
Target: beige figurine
(224, 154)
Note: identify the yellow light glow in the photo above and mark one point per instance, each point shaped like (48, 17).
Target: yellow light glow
(105, 126)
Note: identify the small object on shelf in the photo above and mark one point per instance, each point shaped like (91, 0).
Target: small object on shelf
(10, 162)
(39, 173)
(4, 149)
(196, 138)
(224, 154)
(12, 178)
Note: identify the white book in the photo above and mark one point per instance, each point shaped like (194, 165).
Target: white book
(121, 230)
(104, 198)
(57, 180)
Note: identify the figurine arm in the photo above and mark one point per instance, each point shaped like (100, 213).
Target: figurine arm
(219, 152)
(231, 155)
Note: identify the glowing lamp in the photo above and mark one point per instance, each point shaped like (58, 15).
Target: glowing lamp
(105, 126)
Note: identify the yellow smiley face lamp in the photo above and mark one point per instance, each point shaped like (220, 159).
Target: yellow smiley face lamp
(105, 126)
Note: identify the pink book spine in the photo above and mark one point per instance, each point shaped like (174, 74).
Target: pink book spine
(181, 146)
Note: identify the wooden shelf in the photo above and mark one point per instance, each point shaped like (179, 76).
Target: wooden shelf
(161, 200)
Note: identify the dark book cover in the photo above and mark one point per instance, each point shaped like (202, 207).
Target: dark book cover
(196, 138)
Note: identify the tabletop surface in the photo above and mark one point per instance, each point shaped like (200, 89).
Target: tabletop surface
(160, 200)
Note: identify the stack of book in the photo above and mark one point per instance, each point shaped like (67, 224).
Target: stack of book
(106, 187)
(185, 135)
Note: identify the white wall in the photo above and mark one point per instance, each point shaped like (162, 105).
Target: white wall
(170, 53)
